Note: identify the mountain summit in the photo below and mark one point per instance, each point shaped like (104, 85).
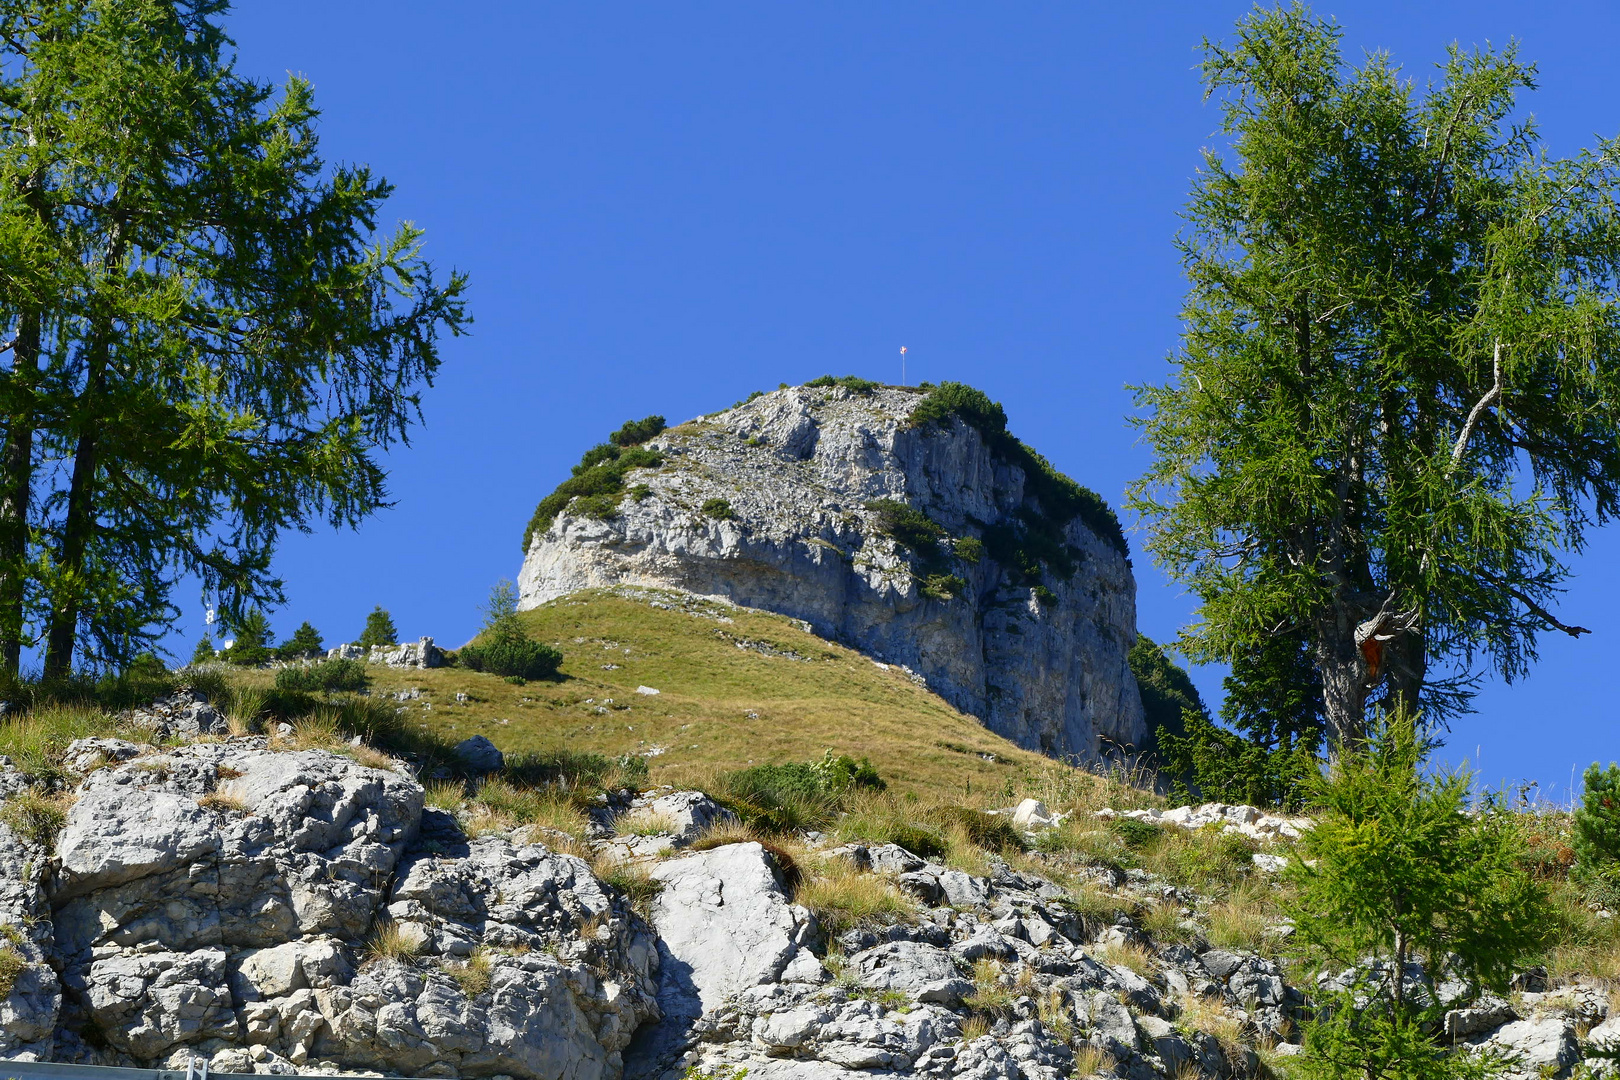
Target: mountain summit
(905, 522)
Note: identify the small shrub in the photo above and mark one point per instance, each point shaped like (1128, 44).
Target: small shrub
(599, 476)
(717, 508)
(503, 647)
(1044, 596)
(906, 525)
(1135, 834)
(640, 492)
(797, 795)
(852, 383)
(970, 549)
(636, 432)
(328, 676)
(942, 586)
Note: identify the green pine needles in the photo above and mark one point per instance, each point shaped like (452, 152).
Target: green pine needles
(1403, 881)
(1596, 832)
(208, 342)
(1396, 400)
(503, 646)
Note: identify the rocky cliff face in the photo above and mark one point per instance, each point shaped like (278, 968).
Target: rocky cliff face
(1014, 615)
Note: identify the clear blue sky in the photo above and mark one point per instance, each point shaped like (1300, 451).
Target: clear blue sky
(663, 207)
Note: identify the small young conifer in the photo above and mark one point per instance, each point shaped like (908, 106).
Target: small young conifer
(1404, 880)
(379, 629)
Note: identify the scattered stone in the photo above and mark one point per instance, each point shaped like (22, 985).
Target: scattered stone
(647, 690)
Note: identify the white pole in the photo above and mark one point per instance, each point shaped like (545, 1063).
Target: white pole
(902, 365)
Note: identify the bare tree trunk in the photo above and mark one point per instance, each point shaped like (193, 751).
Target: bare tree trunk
(1344, 682)
(16, 490)
(79, 521)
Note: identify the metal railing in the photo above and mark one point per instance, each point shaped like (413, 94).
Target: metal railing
(196, 1069)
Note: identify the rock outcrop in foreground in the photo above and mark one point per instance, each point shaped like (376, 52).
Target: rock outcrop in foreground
(771, 505)
(277, 909)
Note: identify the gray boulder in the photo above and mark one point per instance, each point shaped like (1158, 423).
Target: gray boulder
(419, 654)
(480, 755)
(923, 972)
(184, 714)
(724, 925)
(1540, 1049)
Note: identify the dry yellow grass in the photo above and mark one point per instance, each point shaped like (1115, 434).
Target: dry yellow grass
(1089, 1061)
(842, 897)
(222, 800)
(719, 706)
(389, 942)
(1132, 957)
(1239, 920)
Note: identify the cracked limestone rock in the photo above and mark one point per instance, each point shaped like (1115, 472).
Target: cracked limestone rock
(1046, 667)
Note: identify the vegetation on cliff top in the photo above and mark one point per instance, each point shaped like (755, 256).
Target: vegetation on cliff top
(598, 479)
(1061, 500)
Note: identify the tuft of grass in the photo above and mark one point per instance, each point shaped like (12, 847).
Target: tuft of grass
(388, 942)
(245, 709)
(444, 795)
(1132, 957)
(634, 880)
(1163, 921)
(505, 804)
(1090, 1061)
(975, 1027)
(1204, 859)
(1209, 1015)
(474, 974)
(1053, 1010)
(1240, 918)
(842, 897)
(222, 801)
(992, 994)
(644, 822)
(12, 965)
(36, 740)
(37, 817)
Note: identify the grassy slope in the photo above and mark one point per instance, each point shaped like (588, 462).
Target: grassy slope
(719, 706)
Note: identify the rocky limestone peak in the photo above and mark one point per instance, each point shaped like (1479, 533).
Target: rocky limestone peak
(925, 538)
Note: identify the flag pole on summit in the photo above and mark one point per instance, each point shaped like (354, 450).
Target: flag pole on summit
(902, 365)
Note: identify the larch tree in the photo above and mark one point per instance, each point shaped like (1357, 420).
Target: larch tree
(208, 341)
(1394, 409)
